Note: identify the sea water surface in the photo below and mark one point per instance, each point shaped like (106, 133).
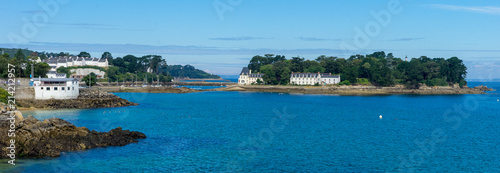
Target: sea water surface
(271, 132)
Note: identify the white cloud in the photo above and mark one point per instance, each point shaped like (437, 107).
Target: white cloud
(485, 10)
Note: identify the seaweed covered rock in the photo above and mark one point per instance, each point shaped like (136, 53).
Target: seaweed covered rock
(36, 139)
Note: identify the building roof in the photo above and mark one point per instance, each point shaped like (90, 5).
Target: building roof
(54, 79)
(256, 75)
(245, 71)
(310, 75)
(330, 76)
(103, 60)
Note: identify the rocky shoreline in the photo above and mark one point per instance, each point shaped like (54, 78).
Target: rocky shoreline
(48, 138)
(156, 90)
(88, 98)
(335, 90)
(359, 90)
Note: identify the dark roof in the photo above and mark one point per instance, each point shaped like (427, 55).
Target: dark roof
(256, 75)
(308, 75)
(330, 76)
(95, 59)
(55, 79)
(62, 61)
(104, 60)
(245, 71)
(51, 72)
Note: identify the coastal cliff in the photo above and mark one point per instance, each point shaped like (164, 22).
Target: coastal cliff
(88, 98)
(48, 138)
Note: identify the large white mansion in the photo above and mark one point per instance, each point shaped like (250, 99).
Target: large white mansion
(246, 77)
(70, 61)
(55, 88)
(314, 78)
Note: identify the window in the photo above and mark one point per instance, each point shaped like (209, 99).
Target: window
(48, 88)
(68, 88)
(73, 88)
(55, 88)
(62, 88)
(42, 88)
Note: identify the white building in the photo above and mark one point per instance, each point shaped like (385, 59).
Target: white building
(79, 73)
(54, 74)
(246, 77)
(55, 88)
(314, 78)
(71, 61)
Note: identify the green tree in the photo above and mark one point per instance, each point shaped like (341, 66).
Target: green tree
(4, 96)
(297, 64)
(90, 79)
(19, 55)
(457, 70)
(84, 54)
(4, 60)
(269, 74)
(41, 69)
(106, 55)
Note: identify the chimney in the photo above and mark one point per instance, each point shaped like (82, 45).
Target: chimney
(250, 72)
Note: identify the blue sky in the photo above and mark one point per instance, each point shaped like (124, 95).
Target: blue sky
(221, 36)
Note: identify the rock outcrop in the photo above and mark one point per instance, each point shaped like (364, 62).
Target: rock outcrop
(88, 98)
(483, 88)
(48, 138)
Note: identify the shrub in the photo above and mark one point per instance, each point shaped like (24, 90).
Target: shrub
(4, 96)
(436, 82)
(346, 82)
(362, 81)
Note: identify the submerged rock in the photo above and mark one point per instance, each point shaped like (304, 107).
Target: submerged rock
(36, 139)
(483, 88)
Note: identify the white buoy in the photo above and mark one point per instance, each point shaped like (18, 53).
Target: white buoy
(380, 116)
(498, 100)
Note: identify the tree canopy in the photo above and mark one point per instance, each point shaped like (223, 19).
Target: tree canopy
(90, 79)
(84, 54)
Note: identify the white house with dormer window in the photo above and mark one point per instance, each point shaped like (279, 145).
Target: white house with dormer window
(314, 78)
(56, 88)
(247, 77)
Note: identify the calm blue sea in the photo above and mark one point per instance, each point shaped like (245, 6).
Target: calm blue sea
(270, 132)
